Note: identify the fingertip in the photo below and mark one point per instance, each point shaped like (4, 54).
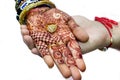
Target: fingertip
(63, 68)
(81, 64)
(81, 34)
(65, 71)
(49, 61)
(35, 51)
(75, 73)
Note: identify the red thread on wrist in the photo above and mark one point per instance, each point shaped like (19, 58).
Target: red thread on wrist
(108, 23)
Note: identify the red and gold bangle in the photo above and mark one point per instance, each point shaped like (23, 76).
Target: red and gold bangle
(108, 23)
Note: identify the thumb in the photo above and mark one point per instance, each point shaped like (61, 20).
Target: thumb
(80, 34)
(78, 31)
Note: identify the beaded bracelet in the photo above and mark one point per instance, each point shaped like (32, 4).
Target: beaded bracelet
(108, 23)
(23, 6)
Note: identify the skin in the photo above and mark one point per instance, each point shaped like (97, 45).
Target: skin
(51, 32)
(98, 35)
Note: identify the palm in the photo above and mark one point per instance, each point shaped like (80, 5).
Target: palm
(51, 34)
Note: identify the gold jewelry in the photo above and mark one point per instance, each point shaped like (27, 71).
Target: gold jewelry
(31, 6)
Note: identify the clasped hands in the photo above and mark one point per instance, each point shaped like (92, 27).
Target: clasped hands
(49, 34)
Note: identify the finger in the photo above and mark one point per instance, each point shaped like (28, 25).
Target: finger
(75, 73)
(44, 52)
(35, 51)
(28, 41)
(76, 52)
(23, 26)
(49, 61)
(65, 71)
(79, 33)
(59, 60)
(24, 32)
(70, 61)
(81, 64)
(42, 47)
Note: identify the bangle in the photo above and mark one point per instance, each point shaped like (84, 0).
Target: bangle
(108, 23)
(24, 6)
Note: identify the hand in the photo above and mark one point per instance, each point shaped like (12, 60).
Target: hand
(98, 34)
(50, 40)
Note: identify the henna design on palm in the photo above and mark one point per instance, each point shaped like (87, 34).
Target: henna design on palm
(51, 33)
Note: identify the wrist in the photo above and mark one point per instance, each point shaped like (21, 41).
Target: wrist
(23, 7)
(109, 25)
(116, 37)
(104, 38)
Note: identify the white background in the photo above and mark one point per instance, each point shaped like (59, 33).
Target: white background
(18, 63)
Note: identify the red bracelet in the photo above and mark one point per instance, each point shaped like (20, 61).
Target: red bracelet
(108, 23)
